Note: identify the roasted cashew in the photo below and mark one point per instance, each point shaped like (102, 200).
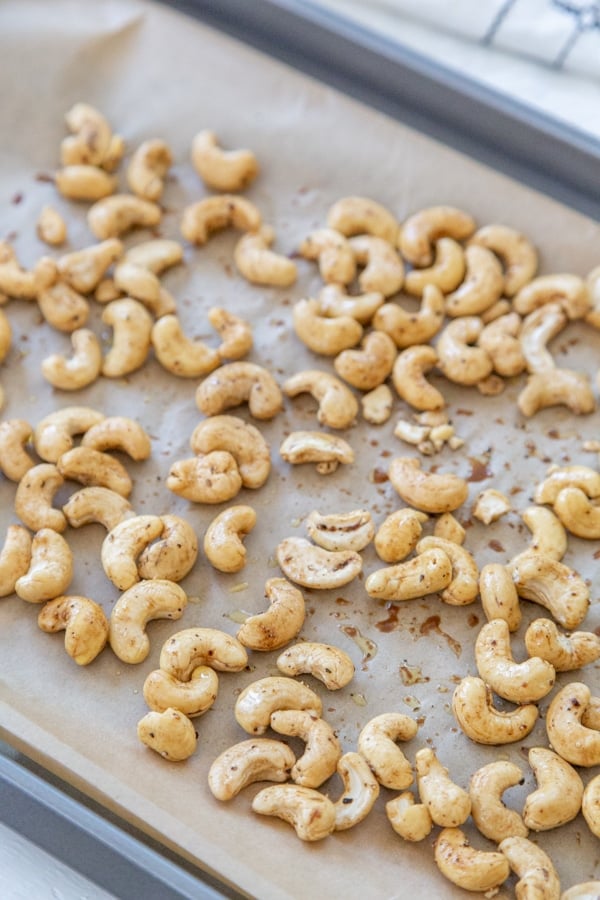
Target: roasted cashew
(368, 367)
(341, 531)
(145, 601)
(475, 713)
(223, 543)
(500, 340)
(119, 433)
(399, 534)
(446, 273)
(322, 751)
(449, 528)
(377, 743)
(84, 269)
(564, 388)
(334, 301)
(112, 216)
(448, 804)
(360, 791)
(564, 651)
(524, 682)
(215, 213)
(78, 370)
(586, 890)
(96, 469)
(15, 558)
(470, 869)
(5, 335)
(14, 459)
(33, 499)
(247, 762)
(499, 596)
(463, 587)
(280, 623)
(553, 585)
(235, 333)
(155, 255)
(210, 478)
(18, 282)
(62, 307)
(427, 573)
(236, 383)
(490, 505)
(408, 377)
(538, 328)
(90, 137)
(410, 329)
(558, 797)
(431, 492)
(500, 308)
(577, 513)
(184, 651)
(313, 567)
(328, 664)
(179, 354)
(169, 733)
(568, 291)
(97, 504)
(377, 405)
(141, 284)
(83, 182)
(409, 819)
(548, 535)
(311, 813)
(132, 329)
(577, 743)
(482, 285)
(84, 624)
(360, 215)
(591, 808)
(50, 568)
(538, 879)
(516, 252)
(489, 813)
(326, 450)
(162, 690)
(422, 229)
(457, 358)
(260, 265)
(148, 167)
(321, 334)
(384, 269)
(122, 546)
(242, 440)
(260, 699)
(559, 477)
(174, 552)
(337, 405)
(222, 170)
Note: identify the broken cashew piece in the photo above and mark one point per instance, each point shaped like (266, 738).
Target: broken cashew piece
(316, 568)
(14, 459)
(470, 869)
(170, 734)
(311, 813)
(377, 405)
(524, 682)
(423, 228)
(122, 546)
(148, 600)
(162, 690)
(361, 215)
(377, 743)
(260, 699)
(449, 528)
(81, 368)
(259, 759)
(338, 407)
(564, 652)
(430, 492)
(173, 554)
(409, 819)
(243, 441)
(33, 499)
(427, 573)
(223, 539)
(341, 531)
(281, 622)
(490, 505)
(184, 651)
(499, 596)
(328, 664)
(84, 623)
(260, 265)
(559, 793)
(50, 568)
(360, 791)
(15, 558)
(475, 713)
(368, 367)
(179, 354)
(94, 468)
(112, 216)
(569, 737)
(326, 450)
(236, 383)
(148, 167)
(322, 751)
(537, 876)
(553, 585)
(222, 170)
(97, 505)
(448, 804)
(54, 434)
(212, 214)
(493, 819)
(322, 334)
(515, 251)
(132, 329)
(408, 377)
(398, 534)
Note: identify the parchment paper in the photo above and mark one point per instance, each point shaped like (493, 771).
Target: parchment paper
(156, 73)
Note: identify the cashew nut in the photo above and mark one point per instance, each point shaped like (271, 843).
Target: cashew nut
(322, 751)
(368, 367)
(63, 307)
(409, 819)
(361, 215)
(399, 534)
(537, 876)
(516, 252)
(489, 813)
(311, 813)
(470, 869)
(235, 333)
(523, 682)
(132, 329)
(236, 383)
(83, 182)
(141, 284)
(84, 624)
(591, 807)
(499, 596)
(155, 255)
(84, 269)
(328, 664)
(475, 713)
(409, 329)
(260, 699)
(15, 558)
(482, 286)
(119, 433)
(337, 405)
(90, 137)
(448, 804)
(431, 492)
(18, 282)
(14, 459)
(50, 569)
(377, 743)
(500, 340)
(568, 291)
(427, 573)
(81, 368)
(210, 478)
(33, 499)
(457, 359)
(148, 167)
(162, 690)
(424, 228)
(184, 651)
(223, 539)
(548, 535)
(222, 170)
(280, 623)
(247, 762)
(169, 733)
(554, 586)
(586, 890)
(490, 505)
(145, 601)
(322, 334)
(243, 441)
(538, 328)
(260, 265)
(97, 504)
(446, 273)
(559, 477)
(408, 377)
(95, 468)
(565, 388)
(558, 797)
(564, 652)
(313, 567)
(122, 546)
(570, 738)
(178, 354)
(215, 213)
(112, 216)
(463, 587)
(377, 405)
(384, 269)
(326, 450)
(54, 434)
(449, 528)
(577, 513)
(173, 554)
(360, 791)
(334, 301)
(341, 531)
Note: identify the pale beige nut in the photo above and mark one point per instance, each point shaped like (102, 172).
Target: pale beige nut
(361, 790)
(565, 388)
(500, 308)
(81, 368)
(408, 329)
(15, 461)
(499, 597)
(409, 819)
(323, 335)
(361, 215)
(84, 182)
(326, 450)
(51, 227)
(148, 168)
(430, 492)
(448, 804)
(236, 383)
(468, 868)
(383, 270)
(458, 358)
(338, 407)
(170, 734)
(491, 386)
(568, 291)
(427, 573)
(22, 283)
(537, 330)
(330, 665)
(398, 534)
(15, 558)
(113, 216)
(84, 623)
(142, 603)
(63, 307)
(208, 478)
(155, 255)
(34, 496)
(462, 589)
(90, 138)
(537, 876)
(173, 554)
(559, 793)
(223, 540)
(50, 568)
(142, 284)
(280, 623)
(341, 531)
(322, 751)
(515, 251)
(412, 433)
(243, 441)
(97, 505)
(554, 586)
(184, 651)
(114, 154)
(122, 546)
(368, 367)
(482, 286)
(378, 744)
(94, 468)
(591, 807)
(446, 272)
(179, 354)
(448, 527)
(260, 699)
(586, 890)
(193, 698)
(548, 535)
(593, 286)
(377, 405)
(577, 513)
(524, 682)
(313, 567)
(408, 377)
(500, 339)
(311, 814)
(559, 477)
(564, 651)
(235, 333)
(5, 335)
(475, 713)
(577, 743)
(83, 270)
(261, 265)
(334, 301)
(493, 819)
(423, 228)
(132, 328)
(53, 435)
(258, 759)
(222, 170)
(119, 433)
(200, 220)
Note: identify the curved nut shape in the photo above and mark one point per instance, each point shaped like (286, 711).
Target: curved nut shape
(242, 440)
(537, 876)
(565, 388)
(571, 739)
(210, 478)
(155, 255)
(446, 273)
(427, 573)
(148, 167)
(399, 534)
(280, 623)
(235, 333)
(260, 265)
(341, 531)
(119, 433)
(493, 819)
(482, 286)
(448, 804)
(311, 813)
(322, 751)
(591, 812)
(377, 405)
(360, 791)
(577, 513)
(408, 377)
(62, 307)
(470, 869)
(338, 407)
(260, 699)
(222, 170)
(321, 334)
(407, 328)
(50, 568)
(474, 711)
(170, 734)
(586, 890)
(361, 215)
(173, 554)
(33, 499)
(463, 588)
(15, 558)
(328, 664)
(500, 340)
(457, 359)
(212, 214)
(560, 477)
(431, 492)
(548, 535)
(236, 383)
(95, 468)
(83, 182)
(90, 136)
(569, 291)
(178, 354)
(537, 330)
(499, 596)
(449, 528)
(18, 282)
(377, 744)
(81, 368)
(326, 450)
(84, 269)
(554, 586)
(334, 301)
(313, 567)
(422, 229)
(132, 329)
(148, 600)
(192, 698)
(84, 624)
(249, 761)
(53, 435)
(523, 682)
(384, 269)
(564, 652)
(97, 504)
(368, 367)
(14, 459)
(143, 285)
(122, 546)
(515, 251)
(409, 819)
(184, 651)
(558, 797)
(223, 543)
(112, 216)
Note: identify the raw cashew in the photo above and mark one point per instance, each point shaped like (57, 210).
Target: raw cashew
(377, 405)
(384, 269)
(81, 368)
(538, 329)
(427, 573)
(311, 814)
(132, 329)
(482, 286)
(122, 546)
(53, 435)
(326, 450)
(15, 558)
(499, 596)
(328, 664)
(184, 651)
(174, 552)
(322, 751)
(341, 531)
(84, 624)
(62, 307)
(169, 733)
(409, 819)
(470, 869)
(565, 388)
(489, 813)
(554, 586)
(368, 367)
(360, 791)
(14, 459)
(210, 478)
(500, 340)
(548, 535)
(337, 405)
(568, 291)
(334, 301)
(83, 182)
(570, 738)
(399, 534)
(148, 600)
(260, 699)
(524, 682)
(215, 213)
(192, 698)
(223, 539)
(431, 492)
(119, 433)
(409, 329)
(564, 651)
(408, 377)
(421, 230)
(377, 743)
(463, 588)
(457, 358)
(112, 216)
(558, 797)
(236, 383)
(538, 879)
(50, 569)
(322, 334)
(97, 504)
(235, 333)
(95, 468)
(242, 440)
(222, 170)
(591, 808)
(90, 137)
(148, 167)
(361, 215)
(490, 505)
(559, 477)
(260, 265)
(281, 622)
(179, 354)
(84, 269)
(446, 273)
(516, 252)
(313, 567)
(33, 499)
(448, 804)
(475, 713)
(249, 761)
(577, 513)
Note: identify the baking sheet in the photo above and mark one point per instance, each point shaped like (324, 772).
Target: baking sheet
(156, 73)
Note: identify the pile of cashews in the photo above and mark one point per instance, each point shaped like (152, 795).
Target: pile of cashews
(501, 317)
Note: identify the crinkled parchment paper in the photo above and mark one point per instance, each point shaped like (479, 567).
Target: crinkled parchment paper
(156, 73)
